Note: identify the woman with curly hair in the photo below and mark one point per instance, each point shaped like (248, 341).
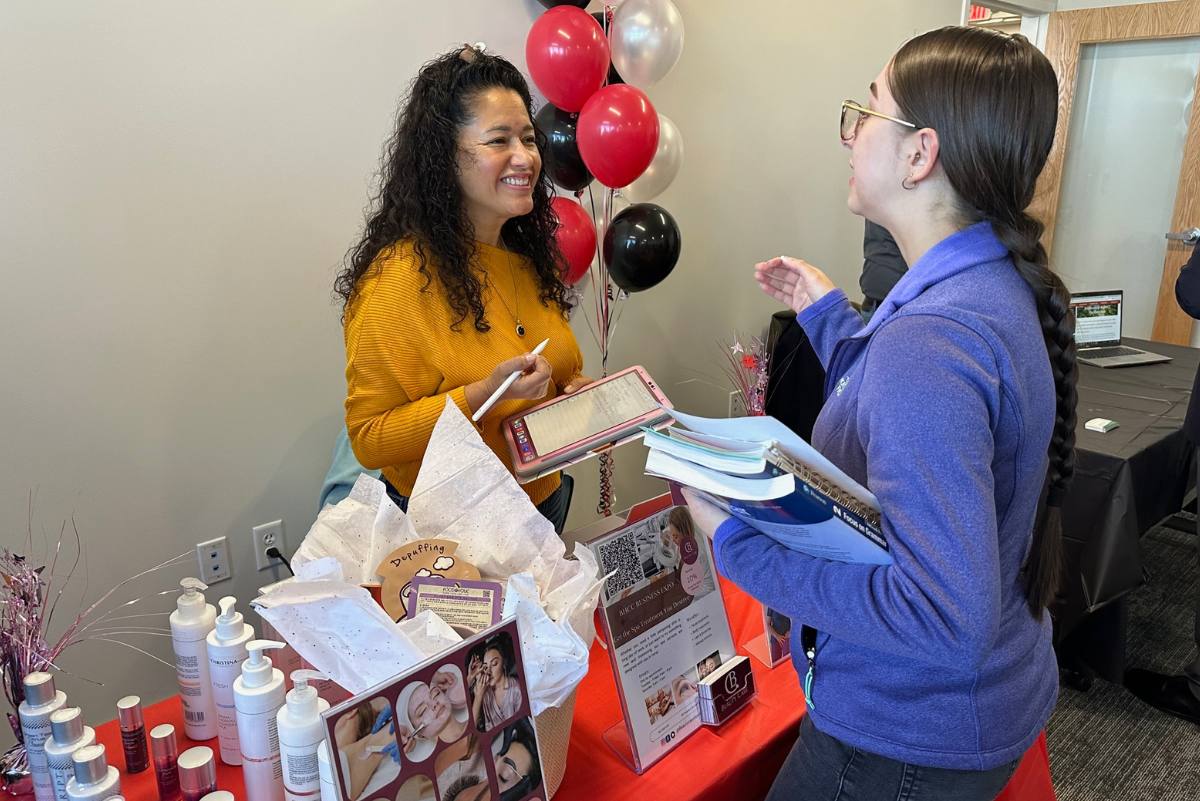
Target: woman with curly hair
(456, 275)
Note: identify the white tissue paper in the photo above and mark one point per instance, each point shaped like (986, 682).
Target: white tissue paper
(339, 629)
(463, 493)
(359, 532)
(552, 651)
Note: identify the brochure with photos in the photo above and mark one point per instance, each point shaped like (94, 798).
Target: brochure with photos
(664, 621)
(455, 728)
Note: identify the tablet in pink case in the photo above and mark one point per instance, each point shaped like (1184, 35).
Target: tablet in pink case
(572, 428)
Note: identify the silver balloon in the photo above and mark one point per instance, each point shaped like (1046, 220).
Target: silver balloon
(663, 169)
(646, 39)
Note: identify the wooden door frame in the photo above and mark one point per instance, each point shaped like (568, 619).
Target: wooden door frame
(1068, 31)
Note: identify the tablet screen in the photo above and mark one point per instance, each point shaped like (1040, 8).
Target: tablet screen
(589, 412)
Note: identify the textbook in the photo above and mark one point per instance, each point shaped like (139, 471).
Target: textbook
(759, 471)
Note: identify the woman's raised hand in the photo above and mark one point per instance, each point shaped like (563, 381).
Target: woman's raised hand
(793, 282)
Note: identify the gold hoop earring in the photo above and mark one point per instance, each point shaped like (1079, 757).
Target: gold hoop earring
(904, 183)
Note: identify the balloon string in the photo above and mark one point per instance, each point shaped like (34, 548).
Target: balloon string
(604, 290)
(579, 295)
(599, 279)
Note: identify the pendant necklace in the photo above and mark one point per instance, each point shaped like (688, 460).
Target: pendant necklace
(516, 296)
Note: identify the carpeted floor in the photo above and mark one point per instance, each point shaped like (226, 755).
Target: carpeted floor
(1105, 744)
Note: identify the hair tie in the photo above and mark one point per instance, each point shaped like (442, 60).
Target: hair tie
(470, 51)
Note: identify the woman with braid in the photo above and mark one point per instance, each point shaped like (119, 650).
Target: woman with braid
(930, 677)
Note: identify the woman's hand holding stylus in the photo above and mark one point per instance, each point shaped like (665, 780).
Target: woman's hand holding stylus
(531, 383)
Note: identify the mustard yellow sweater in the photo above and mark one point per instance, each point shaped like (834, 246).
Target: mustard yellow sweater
(403, 360)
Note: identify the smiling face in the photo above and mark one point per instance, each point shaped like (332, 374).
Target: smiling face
(498, 161)
(428, 708)
(877, 158)
(513, 765)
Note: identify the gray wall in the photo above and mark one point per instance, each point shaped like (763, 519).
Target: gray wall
(181, 181)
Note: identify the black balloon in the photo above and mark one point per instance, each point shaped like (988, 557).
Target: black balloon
(562, 161)
(641, 246)
(553, 3)
(613, 75)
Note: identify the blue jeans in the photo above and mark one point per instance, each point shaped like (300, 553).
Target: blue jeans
(823, 768)
(554, 508)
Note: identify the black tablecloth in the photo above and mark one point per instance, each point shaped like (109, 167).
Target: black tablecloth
(1126, 480)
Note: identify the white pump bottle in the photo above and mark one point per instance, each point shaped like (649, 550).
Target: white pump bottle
(191, 622)
(257, 696)
(301, 730)
(226, 652)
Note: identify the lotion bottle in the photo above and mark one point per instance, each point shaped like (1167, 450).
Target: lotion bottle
(41, 700)
(328, 787)
(67, 735)
(191, 622)
(257, 697)
(226, 652)
(301, 730)
(94, 778)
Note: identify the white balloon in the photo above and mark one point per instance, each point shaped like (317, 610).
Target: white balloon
(645, 39)
(663, 169)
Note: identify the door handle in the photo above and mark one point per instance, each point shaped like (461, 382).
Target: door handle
(1189, 237)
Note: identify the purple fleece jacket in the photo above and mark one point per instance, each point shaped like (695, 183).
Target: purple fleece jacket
(943, 407)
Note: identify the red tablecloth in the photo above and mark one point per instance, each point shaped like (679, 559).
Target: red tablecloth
(739, 760)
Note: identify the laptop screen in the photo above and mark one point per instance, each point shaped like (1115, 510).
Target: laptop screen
(1097, 318)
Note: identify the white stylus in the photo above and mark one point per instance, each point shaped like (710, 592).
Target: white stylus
(487, 404)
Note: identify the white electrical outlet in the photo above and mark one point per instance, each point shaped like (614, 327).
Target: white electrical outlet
(214, 560)
(264, 537)
(737, 404)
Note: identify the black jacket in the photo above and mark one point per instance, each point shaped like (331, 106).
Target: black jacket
(883, 265)
(1187, 292)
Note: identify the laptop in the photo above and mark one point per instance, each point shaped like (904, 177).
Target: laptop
(1098, 331)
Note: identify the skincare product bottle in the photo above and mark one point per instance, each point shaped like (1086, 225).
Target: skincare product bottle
(197, 773)
(94, 778)
(226, 652)
(257, 696)
(67, 735)
(133, 734)
(328, 788)
(301, 730)
(41, 699)
(165, 750)
(190, 623)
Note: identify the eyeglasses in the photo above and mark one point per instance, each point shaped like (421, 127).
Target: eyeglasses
(853, 115)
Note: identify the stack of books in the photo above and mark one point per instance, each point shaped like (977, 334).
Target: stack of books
(761, 472)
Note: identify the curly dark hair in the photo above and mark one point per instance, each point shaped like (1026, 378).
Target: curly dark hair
(420, 196)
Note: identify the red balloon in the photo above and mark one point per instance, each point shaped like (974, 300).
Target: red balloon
(617, 134)
(576, 237)
(567, 54)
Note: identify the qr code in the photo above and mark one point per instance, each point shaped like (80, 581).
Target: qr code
(620, 555)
